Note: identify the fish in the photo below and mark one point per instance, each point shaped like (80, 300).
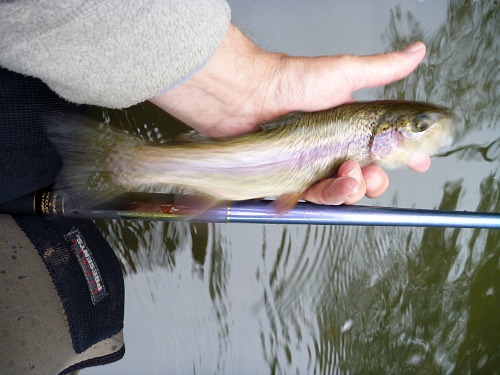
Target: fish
(283, 159)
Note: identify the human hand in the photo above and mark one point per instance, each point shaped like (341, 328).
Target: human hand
(242, 86)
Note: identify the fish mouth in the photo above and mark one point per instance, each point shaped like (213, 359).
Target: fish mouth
(449, 132)
(412, 145)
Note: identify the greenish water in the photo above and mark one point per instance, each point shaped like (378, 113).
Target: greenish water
(255, 299)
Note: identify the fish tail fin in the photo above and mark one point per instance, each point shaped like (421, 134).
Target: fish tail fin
(90, 155)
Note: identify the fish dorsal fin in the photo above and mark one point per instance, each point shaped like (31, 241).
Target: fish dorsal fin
(285, 120)
(192, 136)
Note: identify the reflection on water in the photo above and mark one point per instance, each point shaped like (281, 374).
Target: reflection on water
(462, 69)
(413, 300)
(489, 152)
(214, 298)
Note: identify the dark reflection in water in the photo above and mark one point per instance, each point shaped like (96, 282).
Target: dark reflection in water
(489, 152)
(426, 301)
(313, 299)
(462, 69)
(423, 301)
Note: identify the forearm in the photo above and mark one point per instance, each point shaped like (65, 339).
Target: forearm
(111, 53)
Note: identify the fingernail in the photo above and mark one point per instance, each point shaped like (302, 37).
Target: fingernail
(353, 189)
(414, 47)
(342, 189)
(356, 174)
(349, 186)
(373, 181)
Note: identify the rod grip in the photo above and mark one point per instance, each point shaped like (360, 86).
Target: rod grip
(44, 202)
(24, 205)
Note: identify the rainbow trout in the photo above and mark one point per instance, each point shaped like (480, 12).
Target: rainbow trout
(283, 159)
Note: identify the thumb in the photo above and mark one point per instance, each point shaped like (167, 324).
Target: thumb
(383, 68)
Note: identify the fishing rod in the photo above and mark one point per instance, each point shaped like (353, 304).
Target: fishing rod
(168, 207)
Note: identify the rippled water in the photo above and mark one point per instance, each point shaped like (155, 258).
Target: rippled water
(236, 298)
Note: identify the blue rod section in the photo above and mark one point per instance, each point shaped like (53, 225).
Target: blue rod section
(167, 207)
(308, 213)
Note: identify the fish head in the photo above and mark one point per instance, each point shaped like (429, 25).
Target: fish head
(404, 133)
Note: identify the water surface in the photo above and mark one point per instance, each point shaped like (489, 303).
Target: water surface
(256, 299)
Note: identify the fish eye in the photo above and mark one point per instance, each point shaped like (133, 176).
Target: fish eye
(421, 126)
(421, 123)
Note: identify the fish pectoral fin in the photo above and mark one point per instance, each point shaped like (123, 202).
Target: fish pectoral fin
(189, 207)
(285, 203)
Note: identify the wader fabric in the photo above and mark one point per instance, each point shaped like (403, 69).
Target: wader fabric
(48, 322)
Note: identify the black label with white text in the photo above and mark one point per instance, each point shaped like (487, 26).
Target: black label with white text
(88, 265)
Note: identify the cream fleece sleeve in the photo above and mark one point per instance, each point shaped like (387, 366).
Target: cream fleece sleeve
(112, 53)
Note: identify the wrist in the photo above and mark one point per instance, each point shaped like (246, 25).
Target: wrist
(226, 95)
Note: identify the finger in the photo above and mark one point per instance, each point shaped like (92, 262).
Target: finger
(328, 81)
(418, 162)
(376, 180)
(383, 68)
(332, 191)
(353, 170)
(348, 187)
